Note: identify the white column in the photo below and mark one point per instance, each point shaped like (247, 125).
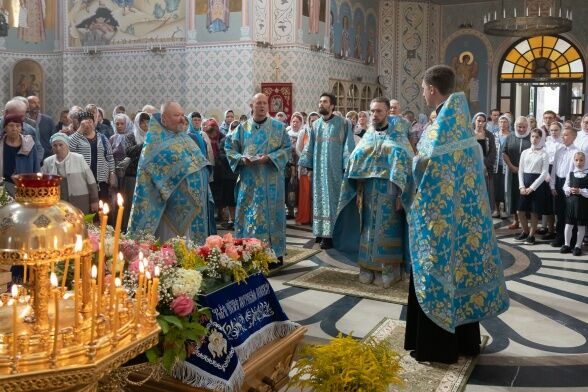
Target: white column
(191, 20)
(245, 29)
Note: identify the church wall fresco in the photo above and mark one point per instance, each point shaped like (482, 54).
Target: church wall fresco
(354, 30)
(120, 22)
(218, 20)
(29, 25)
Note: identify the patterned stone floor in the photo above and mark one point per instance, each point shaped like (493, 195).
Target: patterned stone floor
(540, 343)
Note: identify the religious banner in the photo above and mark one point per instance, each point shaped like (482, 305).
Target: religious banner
(279, 97)
(245, 317)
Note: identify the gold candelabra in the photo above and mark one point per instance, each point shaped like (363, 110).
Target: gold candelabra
(55, 335)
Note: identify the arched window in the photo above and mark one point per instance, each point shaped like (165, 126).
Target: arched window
(339, 92)
(353, 98)
(541, 57)
(366, 98)
(379, 92)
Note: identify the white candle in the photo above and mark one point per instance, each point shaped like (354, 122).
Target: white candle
(14, 301)
(504, 13)
(515, 12)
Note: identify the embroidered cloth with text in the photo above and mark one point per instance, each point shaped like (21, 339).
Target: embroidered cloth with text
(245, 317)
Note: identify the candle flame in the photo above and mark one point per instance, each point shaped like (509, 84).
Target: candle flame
(79, 243)
(120, 256)
(156, 270)
(39, 175)
(94, 271)
(119, 200)
(53, 279)
(141, 256)
(100, 204)
(148, 275)
(14, 291)
(141, 267)
(117, 282)
(105, 209)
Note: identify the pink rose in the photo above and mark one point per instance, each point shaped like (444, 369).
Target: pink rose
(232, 252)
(214, 241)
(183, 305)
(134, 266)
(168, 255)
(228, 238)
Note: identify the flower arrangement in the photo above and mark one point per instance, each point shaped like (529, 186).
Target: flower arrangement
(183, 271)
(347, 364)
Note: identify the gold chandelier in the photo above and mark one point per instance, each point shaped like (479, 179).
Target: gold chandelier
(518, 22)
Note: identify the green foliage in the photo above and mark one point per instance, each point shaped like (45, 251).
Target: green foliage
(175, 331)
(347, 364)
(89, 218)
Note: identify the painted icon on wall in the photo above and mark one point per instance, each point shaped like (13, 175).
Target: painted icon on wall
(27, 79)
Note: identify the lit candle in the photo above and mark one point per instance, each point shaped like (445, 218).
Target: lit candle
(539, 10)
(115, 324)
(14, 301)
(515, 12)
(94, 306)
(139, 289)
(101, 254)
(494, 15)
(77, 250)
(117, 227)
(527, 11)
(148, 290)
(549, 11)
(121, 261)
(154, 290)
(54, 284)
(560, 12)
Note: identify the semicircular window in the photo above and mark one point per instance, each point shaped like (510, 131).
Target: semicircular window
(542, 57)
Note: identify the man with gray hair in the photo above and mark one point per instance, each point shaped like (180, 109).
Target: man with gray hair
(172, 193)
(18, 107)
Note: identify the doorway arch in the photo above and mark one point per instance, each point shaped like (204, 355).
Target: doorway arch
(542, 73)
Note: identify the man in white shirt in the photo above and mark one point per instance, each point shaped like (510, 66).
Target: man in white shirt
(563, 164)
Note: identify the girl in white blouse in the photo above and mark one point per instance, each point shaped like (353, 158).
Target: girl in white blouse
(533, 171)
(576, 190)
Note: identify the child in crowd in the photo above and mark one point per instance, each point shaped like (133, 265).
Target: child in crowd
(576, 190)
(533, 171)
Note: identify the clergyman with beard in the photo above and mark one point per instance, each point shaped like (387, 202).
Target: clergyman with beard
(325, 157)
(377, 184)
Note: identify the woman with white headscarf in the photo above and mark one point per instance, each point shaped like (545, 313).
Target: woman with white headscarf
(78, 185)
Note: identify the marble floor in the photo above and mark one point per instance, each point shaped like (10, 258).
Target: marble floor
(540, 343)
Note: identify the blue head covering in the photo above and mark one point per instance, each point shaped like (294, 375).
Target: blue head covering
(195, 134)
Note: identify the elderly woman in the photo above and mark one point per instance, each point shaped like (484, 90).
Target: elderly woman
(500, 168)
(291, 175)
(17, 151)
(514, 145)
(78, 185)
(363, 119)
(487, 142)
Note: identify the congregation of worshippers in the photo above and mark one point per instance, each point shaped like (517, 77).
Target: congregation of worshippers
(534, 168)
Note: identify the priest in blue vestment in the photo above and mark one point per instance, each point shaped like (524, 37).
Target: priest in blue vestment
(377, 180)
(325, 155)
(457, 275)
(258, 150)
(172, 196)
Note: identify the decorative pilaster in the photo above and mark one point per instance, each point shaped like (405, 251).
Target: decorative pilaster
(245, 29)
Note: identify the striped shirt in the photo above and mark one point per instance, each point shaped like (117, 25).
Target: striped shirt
(105, 162)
